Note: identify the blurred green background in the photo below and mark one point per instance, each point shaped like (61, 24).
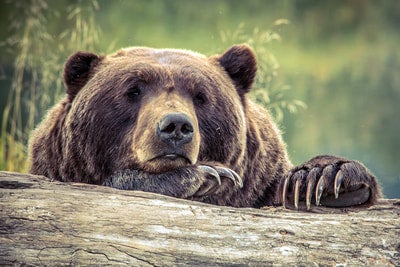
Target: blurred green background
(329, 70)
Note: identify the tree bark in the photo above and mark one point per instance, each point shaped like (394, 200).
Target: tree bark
(44, 222)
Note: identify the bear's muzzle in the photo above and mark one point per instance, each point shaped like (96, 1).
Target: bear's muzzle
(175, 129)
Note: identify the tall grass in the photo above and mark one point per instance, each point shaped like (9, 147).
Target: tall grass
(39, 59)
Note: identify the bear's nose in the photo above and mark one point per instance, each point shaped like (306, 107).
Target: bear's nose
(175, 129)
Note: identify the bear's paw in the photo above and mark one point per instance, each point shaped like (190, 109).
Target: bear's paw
(329, 181)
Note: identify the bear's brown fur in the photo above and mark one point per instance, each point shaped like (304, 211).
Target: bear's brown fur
(178, 123)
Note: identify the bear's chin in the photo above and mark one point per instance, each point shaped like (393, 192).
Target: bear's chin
(166, 163)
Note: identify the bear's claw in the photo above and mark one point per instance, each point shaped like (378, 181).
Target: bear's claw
(228, 173)
(324, 183)
(222, 172)
(311, 179)
(338, 182)
(211, 172)
(319, 190)
(213, 176)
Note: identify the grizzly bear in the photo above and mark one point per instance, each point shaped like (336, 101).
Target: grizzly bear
(178, 123)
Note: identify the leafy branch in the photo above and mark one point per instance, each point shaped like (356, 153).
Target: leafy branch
(268, 90)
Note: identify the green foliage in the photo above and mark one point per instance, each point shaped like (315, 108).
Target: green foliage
(267, 90)
(37, 79)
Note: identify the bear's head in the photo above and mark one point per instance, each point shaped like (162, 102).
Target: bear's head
(155, 109)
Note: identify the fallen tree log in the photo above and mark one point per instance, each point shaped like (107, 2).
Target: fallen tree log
(45, 222)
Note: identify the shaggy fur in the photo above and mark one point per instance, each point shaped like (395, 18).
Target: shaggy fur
(178, 123)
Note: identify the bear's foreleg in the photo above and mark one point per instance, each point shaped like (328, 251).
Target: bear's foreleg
(185, 182)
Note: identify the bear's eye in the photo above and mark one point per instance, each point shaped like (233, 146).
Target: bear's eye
(200, 99)
(134, 92)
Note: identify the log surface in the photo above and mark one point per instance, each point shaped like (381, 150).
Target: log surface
(44, 222)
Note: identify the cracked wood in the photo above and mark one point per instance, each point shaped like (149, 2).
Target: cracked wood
(45, 222)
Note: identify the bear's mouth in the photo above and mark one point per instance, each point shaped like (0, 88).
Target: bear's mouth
(166, 162)
(172, 157)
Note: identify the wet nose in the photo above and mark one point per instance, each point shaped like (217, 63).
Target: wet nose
(175, 129)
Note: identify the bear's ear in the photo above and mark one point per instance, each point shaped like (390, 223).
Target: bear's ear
(78, 70)
(241, 65)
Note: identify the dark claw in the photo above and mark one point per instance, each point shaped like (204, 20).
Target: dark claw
(284, 190)
(323, 183)
(309, 195)
(298, 177)
(311, 178)
(338, 183)
(238, 179)
(296, 194)
(225, 172)
(228, 173)
(319, 190)
(210, 171)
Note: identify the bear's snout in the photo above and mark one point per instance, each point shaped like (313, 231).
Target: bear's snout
(175, 129)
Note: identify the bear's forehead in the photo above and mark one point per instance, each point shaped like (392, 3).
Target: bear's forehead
(161, 56)
(153, 62)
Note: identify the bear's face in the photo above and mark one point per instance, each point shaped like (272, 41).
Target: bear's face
(157, 110)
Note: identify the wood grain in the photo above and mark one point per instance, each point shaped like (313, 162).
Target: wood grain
(44, 222)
